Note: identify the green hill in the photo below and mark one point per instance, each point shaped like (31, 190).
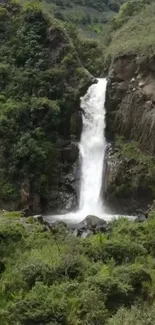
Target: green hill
(133, 29)
(91, 17)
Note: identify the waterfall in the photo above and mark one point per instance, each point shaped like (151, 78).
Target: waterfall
(92, 149)
(92, 153)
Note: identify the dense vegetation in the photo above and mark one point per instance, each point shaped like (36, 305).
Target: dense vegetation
(101, 5)
(41, 79)
(52, 277)
(90, 17)
(133, 29)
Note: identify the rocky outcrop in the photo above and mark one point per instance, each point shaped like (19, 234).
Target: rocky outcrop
(129, 184)
(130, 105)
(91, 225)
(130, 100)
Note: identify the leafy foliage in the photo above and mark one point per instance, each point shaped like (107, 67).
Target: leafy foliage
(90, 17)
(39, 87)
(63, 279)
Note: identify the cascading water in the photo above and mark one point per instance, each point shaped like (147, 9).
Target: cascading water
(92, 154)
(92, 149)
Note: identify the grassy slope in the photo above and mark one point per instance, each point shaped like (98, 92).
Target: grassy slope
(99, 19)
(137, 35)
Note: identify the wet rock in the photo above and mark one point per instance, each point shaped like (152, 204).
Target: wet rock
(141, 84)
(76, 124)
(93, 224)
(38, 218)
(70, 153)
(62, 199)
(141, 218)
(46, 228)
(86, 234)
(58, 227)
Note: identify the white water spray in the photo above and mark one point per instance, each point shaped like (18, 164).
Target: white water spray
(92, 149)
(92, 154)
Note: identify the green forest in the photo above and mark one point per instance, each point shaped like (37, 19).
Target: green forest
(91, 18)
(42, 76)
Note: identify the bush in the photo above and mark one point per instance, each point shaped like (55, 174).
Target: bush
(124, 251)
(42, 305)
(136, 315)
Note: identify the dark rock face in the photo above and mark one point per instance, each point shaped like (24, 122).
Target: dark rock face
(127, 190)
(130, 101)
(130, 104)
(141, 218)
(70, 153)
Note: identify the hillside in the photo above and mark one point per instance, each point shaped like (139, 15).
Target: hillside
(42, 78)
(48, 276)
(133, 30)
(90, 17)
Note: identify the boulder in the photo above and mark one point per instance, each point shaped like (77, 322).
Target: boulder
(93, 224)
(38, 218)
(70, 153)
(58, 226)
(141, 218)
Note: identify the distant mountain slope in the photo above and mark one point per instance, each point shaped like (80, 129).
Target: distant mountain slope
(91, 17)
(133, 29)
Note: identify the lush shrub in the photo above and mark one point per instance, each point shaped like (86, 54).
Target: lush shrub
(121, 251)
(39, 88)
(42, 305)
(136, 315)
(53, 277)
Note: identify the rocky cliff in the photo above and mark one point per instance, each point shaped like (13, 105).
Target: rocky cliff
(130, 121)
